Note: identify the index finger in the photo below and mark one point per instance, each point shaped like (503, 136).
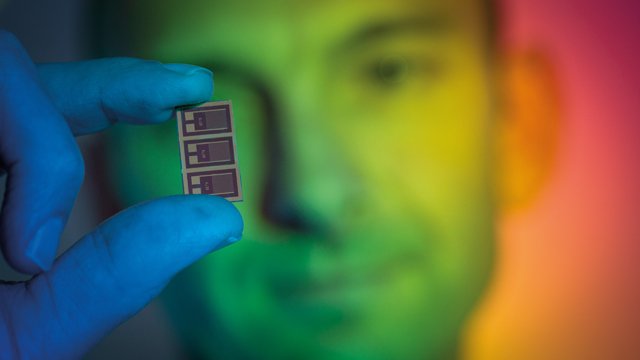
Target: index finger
(93, 94)
(113, 272)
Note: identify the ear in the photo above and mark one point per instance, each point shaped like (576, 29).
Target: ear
(528, 128)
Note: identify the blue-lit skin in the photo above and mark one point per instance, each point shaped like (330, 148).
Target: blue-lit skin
(114, 271)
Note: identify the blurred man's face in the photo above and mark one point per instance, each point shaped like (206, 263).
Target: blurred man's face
(365, 149)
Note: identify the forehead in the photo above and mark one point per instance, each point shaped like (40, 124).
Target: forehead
(270, 27)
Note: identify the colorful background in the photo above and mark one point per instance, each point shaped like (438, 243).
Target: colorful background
(566, 285)
(567, 279)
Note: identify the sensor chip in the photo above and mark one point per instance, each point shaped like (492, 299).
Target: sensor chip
(208, 150)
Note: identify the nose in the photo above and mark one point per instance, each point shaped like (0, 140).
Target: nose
(306, 188)
(279, 206)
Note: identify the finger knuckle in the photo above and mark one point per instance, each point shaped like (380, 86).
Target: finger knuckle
(11, 52)
(8, 40)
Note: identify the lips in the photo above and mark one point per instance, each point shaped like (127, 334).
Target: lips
(341, 283)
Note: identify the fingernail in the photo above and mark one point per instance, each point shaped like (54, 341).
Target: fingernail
(233, 239)
(188, 70)
(225, 243)
(199, 71)
(42, 247)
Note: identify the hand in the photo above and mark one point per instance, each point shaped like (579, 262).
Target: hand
(113, 272)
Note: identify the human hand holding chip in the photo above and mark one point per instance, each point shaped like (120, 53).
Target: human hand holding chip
(111, 273)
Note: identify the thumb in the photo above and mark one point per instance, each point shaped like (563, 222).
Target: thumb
(112, 273)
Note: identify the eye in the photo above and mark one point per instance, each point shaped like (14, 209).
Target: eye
(399, 72)
(391, 70)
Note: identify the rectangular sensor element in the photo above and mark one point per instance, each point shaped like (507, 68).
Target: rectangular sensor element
(208, 150)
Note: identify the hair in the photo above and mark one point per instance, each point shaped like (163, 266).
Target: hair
(112, 26)
(494, 22)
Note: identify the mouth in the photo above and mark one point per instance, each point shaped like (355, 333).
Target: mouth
(343, 284)
(346, 282)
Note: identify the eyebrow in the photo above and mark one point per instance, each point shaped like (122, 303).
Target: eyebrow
(432, 24)
(435, 23)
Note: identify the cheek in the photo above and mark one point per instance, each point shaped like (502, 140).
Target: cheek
(427, 157)
(434, 152)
